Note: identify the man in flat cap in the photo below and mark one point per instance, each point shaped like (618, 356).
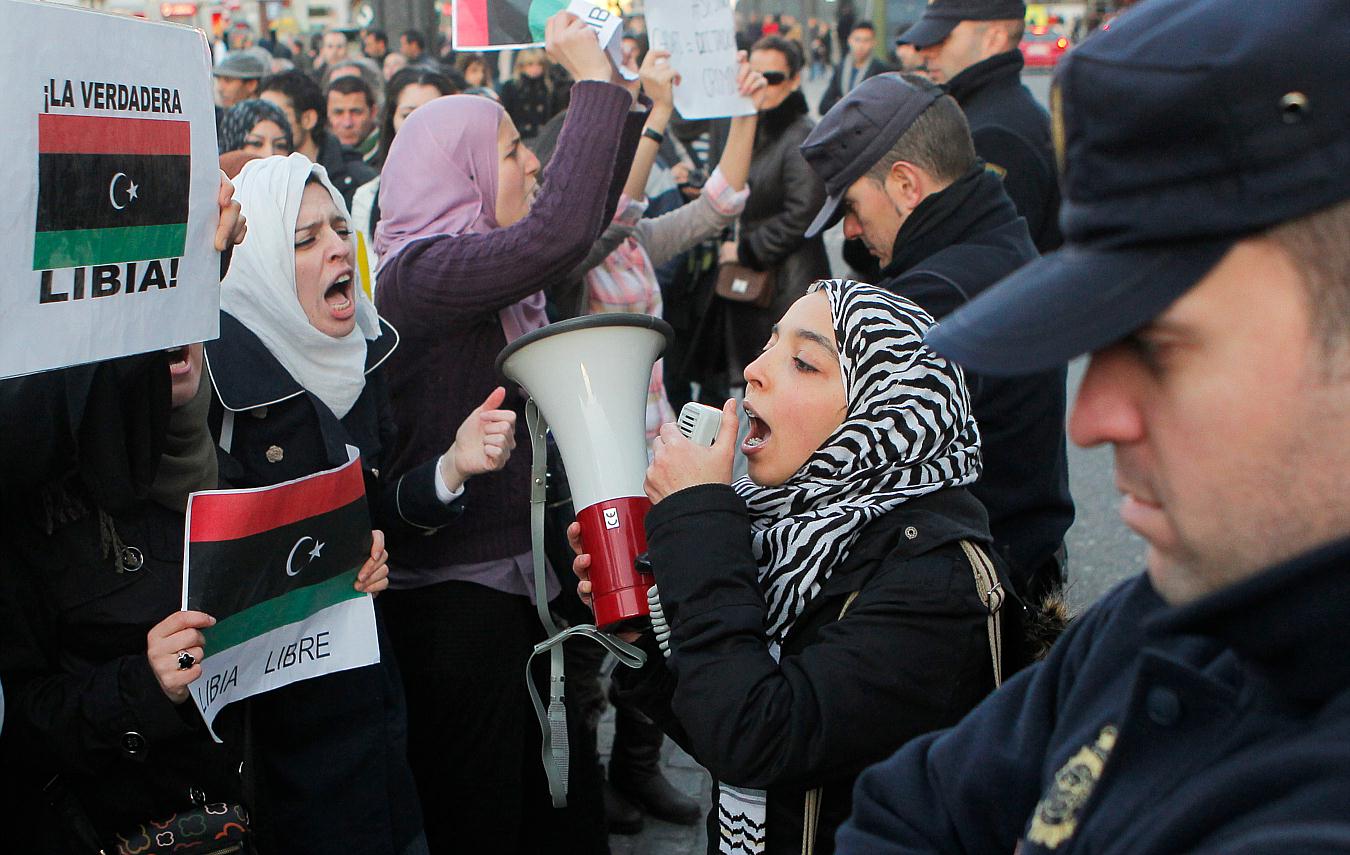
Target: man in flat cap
(900, 169)
(1203, 706)
(238, 75)
(970, 47)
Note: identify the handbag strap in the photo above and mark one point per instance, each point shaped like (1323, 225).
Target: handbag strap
(811, 810)
(991, 594)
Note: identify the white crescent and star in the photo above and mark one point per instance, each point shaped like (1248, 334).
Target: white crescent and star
(313, 553)
(132, 189)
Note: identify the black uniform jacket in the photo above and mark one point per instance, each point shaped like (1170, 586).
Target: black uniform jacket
(331, 751)
(911, 654)
(956, 244)
(81, 701)
(1012, 133)
(1218, 727)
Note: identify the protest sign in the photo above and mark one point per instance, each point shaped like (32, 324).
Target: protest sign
(276, 567)
(701, 38)
(109, 166)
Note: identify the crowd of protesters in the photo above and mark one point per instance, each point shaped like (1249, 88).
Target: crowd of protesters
(832, 631)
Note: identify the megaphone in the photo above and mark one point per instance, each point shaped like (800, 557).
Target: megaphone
(589, 377)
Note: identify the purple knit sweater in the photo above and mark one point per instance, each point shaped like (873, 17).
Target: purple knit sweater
(443, 296)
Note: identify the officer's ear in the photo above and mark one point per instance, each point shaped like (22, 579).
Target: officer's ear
(907, 185)
(308, 120)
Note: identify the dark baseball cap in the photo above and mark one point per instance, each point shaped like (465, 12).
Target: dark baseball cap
(1184, 128)
(857, 132)
(942, 16)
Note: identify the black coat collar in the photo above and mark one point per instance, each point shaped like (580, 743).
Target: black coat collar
(245, 374)
(919, 525)
(1291, 621)
(972, 205)
(999, 68)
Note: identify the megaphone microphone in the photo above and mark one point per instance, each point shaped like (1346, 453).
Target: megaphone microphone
(589, 377)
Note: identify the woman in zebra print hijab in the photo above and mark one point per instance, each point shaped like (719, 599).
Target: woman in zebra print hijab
(907, 430)
(821, 612)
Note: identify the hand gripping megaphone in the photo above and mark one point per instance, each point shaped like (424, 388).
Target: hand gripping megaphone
(589, 378)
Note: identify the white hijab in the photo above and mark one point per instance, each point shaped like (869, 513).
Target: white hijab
(260, 291)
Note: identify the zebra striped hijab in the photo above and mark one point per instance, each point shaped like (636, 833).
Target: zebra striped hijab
(908, 431)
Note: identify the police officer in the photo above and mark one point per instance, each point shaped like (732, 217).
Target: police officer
(970, 46)
(897, 161)
(1204, 706)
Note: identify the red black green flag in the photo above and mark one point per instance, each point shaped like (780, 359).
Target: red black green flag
(110, 190)
(276, 567)
(501, 23)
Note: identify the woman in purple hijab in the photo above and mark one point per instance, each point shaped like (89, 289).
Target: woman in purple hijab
(467, 240)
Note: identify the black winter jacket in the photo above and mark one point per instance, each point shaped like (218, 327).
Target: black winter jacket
(911, 654)
(1218, 727)
(1012, 133)
(956, 244)
(331, 751)
(82, 702)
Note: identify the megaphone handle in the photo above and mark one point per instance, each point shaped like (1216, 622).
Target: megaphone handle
(553, 720)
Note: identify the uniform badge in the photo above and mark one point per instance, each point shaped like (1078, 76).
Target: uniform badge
(1056, 817)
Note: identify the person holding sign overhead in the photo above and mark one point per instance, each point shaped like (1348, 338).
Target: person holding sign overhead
(467, 240)
(785, 194)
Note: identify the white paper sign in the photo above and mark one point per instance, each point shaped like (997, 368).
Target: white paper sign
(701, 38)
(608, 29)
(110, 170)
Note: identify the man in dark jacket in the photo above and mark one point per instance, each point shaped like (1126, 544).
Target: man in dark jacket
(1205, 706)
(860, 63)
(944, 230)
(970, 46)
(303, 102)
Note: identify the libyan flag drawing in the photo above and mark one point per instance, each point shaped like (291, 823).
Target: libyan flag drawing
(276, 567)
(110, 190)
(502, 23)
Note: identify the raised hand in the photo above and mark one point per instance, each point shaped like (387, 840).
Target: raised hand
(483, 442)
(575, 47)
(659, 78)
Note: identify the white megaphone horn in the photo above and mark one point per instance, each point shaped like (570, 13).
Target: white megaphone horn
(589, 378)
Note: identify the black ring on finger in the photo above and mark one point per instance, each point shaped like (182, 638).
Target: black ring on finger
(185, 660)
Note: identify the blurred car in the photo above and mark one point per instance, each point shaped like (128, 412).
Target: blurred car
(1043, 46)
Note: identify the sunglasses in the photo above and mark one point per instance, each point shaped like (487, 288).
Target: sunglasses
(773, 78)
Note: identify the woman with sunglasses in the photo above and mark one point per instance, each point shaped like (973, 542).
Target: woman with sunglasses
(785, 195)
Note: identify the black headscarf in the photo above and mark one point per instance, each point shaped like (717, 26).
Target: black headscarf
(242, 117)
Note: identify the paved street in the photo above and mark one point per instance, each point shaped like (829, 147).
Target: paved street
(1101, 552)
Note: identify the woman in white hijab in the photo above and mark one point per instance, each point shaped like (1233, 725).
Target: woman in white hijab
(296, 380)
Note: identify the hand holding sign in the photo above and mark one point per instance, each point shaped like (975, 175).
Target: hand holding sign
(659, 79)
(178, 633)
(701, 38)
(374, 574)
(573, 45)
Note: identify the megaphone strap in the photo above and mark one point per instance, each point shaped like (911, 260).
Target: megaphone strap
(553, 719)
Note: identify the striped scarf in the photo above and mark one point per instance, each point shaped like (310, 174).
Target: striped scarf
(908, 432)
